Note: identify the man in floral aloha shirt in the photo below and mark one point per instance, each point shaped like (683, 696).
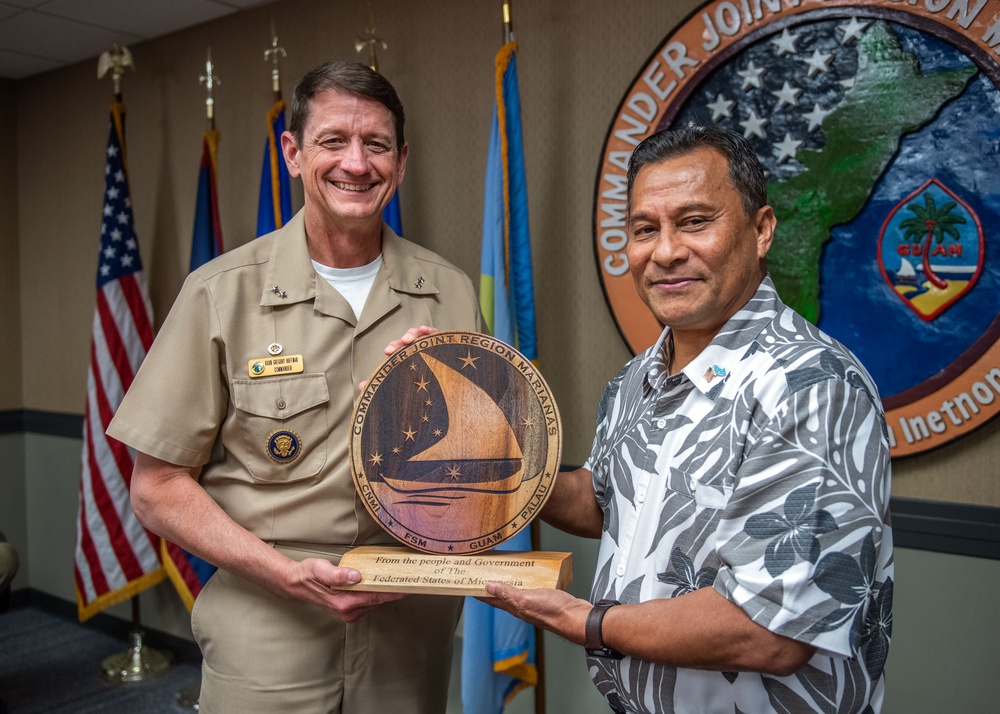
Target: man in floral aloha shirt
(739, 478)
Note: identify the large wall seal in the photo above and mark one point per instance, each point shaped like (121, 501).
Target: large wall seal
(878, 124)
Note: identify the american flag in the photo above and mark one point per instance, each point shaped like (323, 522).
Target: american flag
(116, 557)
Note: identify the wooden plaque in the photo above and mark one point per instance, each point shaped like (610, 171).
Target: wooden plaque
(392, 569)
(455, 443)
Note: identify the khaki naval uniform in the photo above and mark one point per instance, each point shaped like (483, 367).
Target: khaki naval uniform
(195, 403)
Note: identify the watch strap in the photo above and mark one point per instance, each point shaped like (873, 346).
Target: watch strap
(594, 634)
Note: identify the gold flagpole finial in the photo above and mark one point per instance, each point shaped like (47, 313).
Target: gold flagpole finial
(370, 41)
(116, 59)
(275, 54)
(508, 22)
(209, 80)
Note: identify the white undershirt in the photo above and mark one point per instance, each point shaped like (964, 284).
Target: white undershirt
(353, 283)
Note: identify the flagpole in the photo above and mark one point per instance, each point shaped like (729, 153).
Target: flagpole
(188, 696)
(139, 662)
(209, 79)
(370, 41)
(275, 54)
(392, 214)
(508, 23)
(274, 201)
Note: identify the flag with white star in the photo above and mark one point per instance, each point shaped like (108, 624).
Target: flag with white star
(116, 558)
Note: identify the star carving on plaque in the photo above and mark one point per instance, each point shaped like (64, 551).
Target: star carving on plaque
(468, 360)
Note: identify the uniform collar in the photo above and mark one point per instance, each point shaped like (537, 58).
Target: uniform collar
(403, 272)
(290, 277)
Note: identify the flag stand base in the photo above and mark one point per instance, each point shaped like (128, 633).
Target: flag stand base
(188, 695)
(136, 664)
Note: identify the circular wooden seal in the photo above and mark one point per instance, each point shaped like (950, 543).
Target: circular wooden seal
(455, 443)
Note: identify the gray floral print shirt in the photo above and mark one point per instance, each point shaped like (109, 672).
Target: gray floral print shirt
(762, 471)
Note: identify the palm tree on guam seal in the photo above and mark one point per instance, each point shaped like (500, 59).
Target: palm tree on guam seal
(930, 225)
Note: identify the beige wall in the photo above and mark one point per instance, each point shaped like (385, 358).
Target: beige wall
(573, 69)
(10, 269)
(575, 63)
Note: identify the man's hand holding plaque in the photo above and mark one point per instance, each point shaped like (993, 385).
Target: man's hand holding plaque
(456, 442)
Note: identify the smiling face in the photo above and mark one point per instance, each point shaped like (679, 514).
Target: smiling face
(696, 256)
(349, 162)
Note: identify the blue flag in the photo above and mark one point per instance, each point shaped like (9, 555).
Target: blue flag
(188, 572)
(392, 214)
(498, 650)
(206, 242)
(274, 207)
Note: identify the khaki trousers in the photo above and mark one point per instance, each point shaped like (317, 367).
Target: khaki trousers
(264, 653)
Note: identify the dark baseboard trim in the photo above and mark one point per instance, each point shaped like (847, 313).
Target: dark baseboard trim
(957, 528)
(182, 649)
(38, 422)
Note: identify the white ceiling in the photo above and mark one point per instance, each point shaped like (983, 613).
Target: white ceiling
(40, 35)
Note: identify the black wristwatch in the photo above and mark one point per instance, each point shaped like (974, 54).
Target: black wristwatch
(594, 634)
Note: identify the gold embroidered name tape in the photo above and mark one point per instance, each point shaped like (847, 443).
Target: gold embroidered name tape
(271, 366)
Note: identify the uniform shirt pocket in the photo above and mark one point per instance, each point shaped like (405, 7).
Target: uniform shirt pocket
(284, 425)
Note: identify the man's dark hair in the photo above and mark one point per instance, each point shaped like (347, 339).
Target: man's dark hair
(352, 78)
(745, 170)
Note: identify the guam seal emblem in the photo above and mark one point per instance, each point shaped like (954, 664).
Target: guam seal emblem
(877, 122)
(938, 242)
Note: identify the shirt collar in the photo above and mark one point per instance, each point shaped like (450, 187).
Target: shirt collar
(712, 367)
(290, 277)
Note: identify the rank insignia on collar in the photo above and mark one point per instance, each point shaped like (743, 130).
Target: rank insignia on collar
(420, 282)
(715, 371)
(284, 446)
(278, 291)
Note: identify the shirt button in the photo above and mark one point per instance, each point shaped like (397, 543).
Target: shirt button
(620, 570)
(280, 404)
(660, 423)
(640, 496)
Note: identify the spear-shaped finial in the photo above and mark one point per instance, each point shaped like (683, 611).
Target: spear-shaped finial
(370, 41)
(209, 80)
(275, 54)
(116, 59)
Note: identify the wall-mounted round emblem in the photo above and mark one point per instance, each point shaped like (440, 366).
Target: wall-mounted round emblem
(284, 446)
(456, 443)
(888, 206)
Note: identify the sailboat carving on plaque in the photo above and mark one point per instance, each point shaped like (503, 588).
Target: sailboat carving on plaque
(479, 453)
